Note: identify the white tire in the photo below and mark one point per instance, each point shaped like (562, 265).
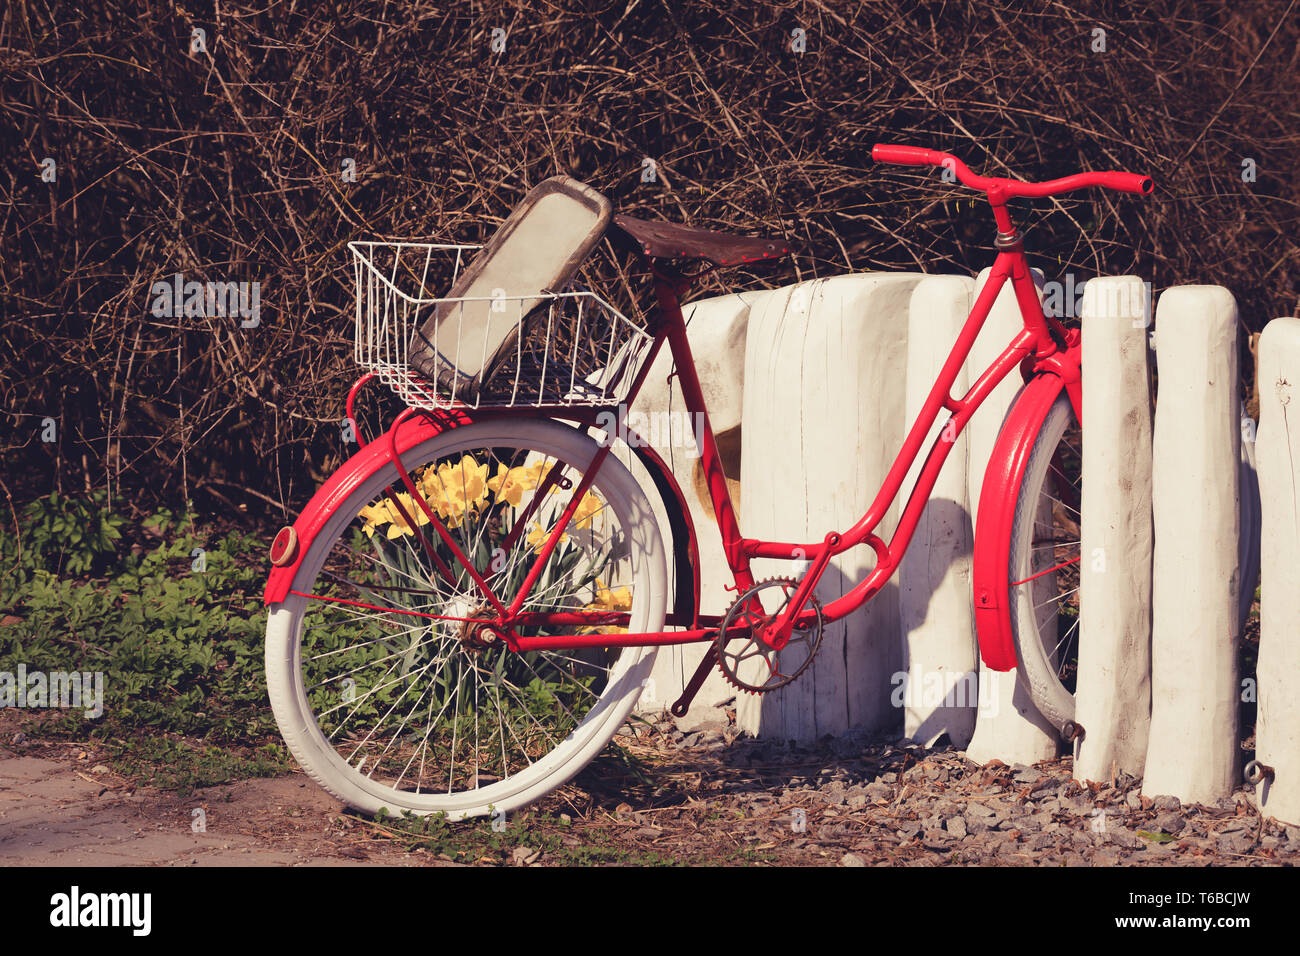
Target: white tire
(619, 681)
(1044, 611)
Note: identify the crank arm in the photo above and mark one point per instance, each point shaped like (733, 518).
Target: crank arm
(683, 703)
(780, 630)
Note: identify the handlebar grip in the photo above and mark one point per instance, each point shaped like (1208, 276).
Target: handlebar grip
(906, 155)
(1129, 183)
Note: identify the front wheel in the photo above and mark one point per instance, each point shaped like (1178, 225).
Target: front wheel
(390, 690)
(1043, 572)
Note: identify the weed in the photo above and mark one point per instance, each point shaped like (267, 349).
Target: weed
(176, 629)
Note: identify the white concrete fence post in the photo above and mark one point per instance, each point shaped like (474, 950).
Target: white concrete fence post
(939, 682)
(1193, 748)
(1113, 685)
(1277, 454)
(823, 417)
(1008, 726)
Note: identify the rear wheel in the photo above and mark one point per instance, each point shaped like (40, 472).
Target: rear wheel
(388, 687)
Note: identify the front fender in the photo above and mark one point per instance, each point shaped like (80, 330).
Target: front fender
(997, 507)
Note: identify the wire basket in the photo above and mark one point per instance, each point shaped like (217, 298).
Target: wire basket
(549, 348)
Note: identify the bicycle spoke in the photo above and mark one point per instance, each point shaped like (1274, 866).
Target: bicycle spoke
(1062, 642)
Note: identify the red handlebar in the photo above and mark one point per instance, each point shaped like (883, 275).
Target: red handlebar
(907, 155)
(1009, 188)
(1127, 182)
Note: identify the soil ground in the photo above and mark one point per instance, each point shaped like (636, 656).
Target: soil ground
(662, 797)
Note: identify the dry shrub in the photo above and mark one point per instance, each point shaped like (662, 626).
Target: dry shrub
(226, 165)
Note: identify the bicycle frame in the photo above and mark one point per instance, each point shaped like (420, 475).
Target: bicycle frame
(1043, 347)
(1043, 341)
(1040, 338)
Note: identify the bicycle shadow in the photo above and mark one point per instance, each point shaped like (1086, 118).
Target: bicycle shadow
(938, 596)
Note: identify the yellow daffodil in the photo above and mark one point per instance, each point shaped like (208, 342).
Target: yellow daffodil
(454, 489)
(587, 509)
(464, 484)
(375, 515)
(510, 484)
(450, 512)
(400, 527)
(616, 599)
(428, 483)
(537, 538)
(530, 476)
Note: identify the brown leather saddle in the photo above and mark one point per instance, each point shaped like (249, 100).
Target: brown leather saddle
(669, 240)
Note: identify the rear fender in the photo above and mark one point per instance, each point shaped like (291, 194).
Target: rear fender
(410, 433)
(415, 431)
(686, 551)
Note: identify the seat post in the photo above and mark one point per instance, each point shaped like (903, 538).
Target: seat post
(670, 285)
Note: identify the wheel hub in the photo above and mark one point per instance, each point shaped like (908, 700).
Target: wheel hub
(474, 625)
(479, 632)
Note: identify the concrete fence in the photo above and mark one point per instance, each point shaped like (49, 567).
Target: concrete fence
(940, 656)
(1113, 682)
(827, 376)
(1195, 627)
(1277, 452)
(829, 418)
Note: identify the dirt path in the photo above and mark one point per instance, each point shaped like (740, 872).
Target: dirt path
(60, 812)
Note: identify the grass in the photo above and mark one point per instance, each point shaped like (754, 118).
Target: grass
(185, 765)
(168, 610)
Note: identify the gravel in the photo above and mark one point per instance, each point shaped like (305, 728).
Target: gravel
(1170, 822)
(871, 801)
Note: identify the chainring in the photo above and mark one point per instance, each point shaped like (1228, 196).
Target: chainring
(802, 646)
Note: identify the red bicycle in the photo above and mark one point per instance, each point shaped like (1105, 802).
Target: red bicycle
(467, 611)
